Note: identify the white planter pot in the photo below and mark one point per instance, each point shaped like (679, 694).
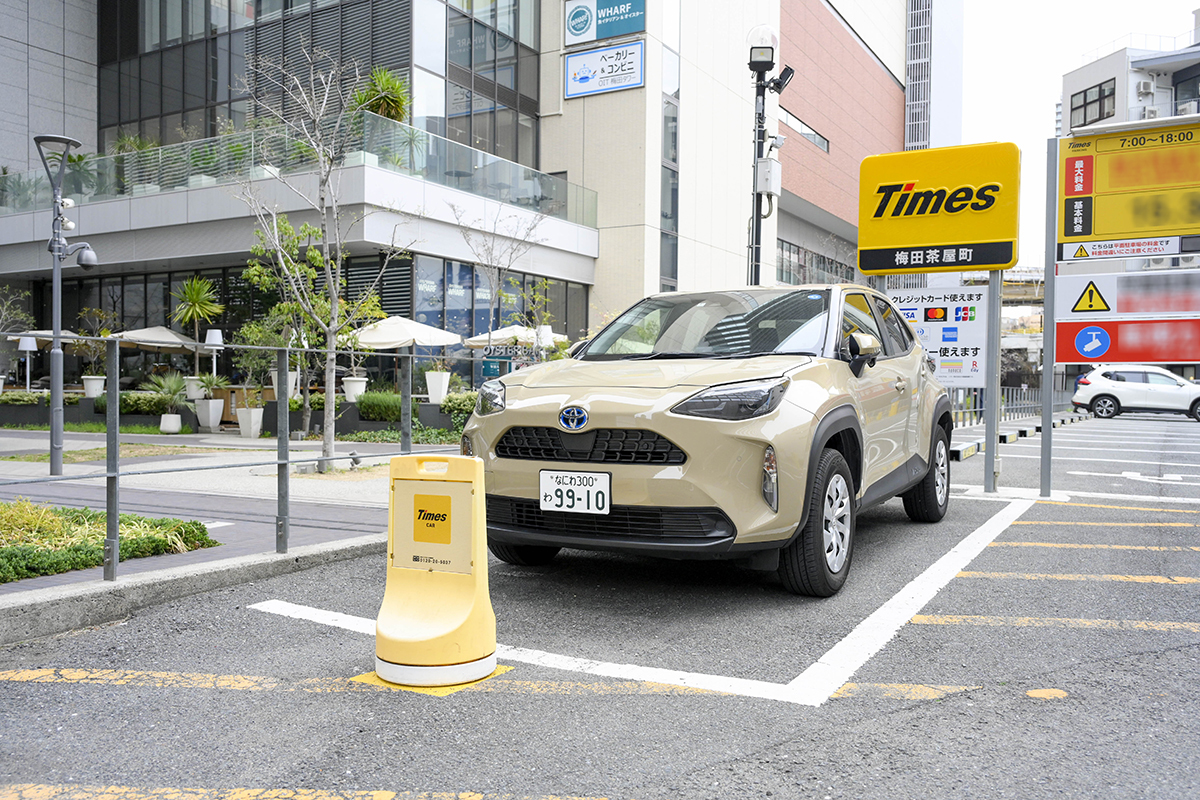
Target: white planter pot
(200, 181)
(93, 385)
(293, 389)
(194, 390)
(250, 422)
(209, 413)
(358, 158)
(438, 384)
(170, 423)
(353, 387)
(261, 171)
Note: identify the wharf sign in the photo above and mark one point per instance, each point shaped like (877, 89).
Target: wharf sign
(945, 209)
(1130, 195)
(587, 21)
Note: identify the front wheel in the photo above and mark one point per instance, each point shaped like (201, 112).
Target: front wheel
(523, 555)
(929, 499)
(1106, 407)
(817, 561)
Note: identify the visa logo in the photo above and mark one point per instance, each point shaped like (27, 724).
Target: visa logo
(909, 313)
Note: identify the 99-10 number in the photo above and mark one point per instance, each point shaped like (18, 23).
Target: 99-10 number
(1162, 138)
(569, 499)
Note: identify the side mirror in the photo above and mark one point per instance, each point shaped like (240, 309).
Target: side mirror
(575, 348)
(864, 348)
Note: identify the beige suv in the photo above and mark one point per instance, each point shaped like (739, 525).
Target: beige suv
(750, 424)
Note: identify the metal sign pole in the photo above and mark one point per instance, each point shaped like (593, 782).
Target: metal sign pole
(991, 464)
(1049, 355)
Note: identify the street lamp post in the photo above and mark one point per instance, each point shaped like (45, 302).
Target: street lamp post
(59, 250)
(763, 42)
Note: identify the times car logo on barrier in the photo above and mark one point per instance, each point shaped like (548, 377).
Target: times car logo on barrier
(572, 418)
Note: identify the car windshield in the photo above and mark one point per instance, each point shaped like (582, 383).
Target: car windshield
(717, 325)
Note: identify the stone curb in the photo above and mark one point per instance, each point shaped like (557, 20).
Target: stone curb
(45, 612)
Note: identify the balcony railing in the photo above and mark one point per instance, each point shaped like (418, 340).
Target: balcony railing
(1176, 108)
(263, 153)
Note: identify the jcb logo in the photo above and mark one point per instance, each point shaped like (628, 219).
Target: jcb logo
(964, 314)
(910, 203)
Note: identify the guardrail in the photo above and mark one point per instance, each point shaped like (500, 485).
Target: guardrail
(969, 405)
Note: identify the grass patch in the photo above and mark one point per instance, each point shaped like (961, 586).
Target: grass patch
(128, 450)
(420, 435)
(96, 427)
(37, 539)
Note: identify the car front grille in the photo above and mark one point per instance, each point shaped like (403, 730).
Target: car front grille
(622, 521)
(603, 446)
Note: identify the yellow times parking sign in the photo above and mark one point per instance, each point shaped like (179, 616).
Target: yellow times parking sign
(940, 210)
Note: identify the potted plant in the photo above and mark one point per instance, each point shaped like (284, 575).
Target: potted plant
(354, 382)
(197, 301)
(172, 393)
(100, 323)
(250, 413)
(210, 409)
(437, 380)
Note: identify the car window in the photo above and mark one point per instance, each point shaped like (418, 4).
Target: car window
(1129, 377)
(897, 339)
(1159, 378)
(857, 318)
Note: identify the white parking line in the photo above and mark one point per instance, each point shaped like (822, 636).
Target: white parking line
(812, 687)
(216, 524)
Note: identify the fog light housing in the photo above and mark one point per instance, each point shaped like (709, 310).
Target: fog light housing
(770, 479)
(464, 446)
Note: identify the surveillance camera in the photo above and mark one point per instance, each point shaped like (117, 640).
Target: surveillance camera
(778, 142)
(67, 202)
(67, 225)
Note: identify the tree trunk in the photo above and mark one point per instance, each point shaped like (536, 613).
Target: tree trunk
(327, 432)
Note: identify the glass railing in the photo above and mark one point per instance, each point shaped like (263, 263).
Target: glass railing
(263, 153)
(1165, 110)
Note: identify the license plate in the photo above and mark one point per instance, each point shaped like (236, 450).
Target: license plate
(578, 492)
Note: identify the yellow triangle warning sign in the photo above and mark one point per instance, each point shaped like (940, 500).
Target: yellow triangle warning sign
(1091, 299)
(1080, 253)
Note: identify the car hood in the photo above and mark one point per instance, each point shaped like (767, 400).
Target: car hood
(657, 374)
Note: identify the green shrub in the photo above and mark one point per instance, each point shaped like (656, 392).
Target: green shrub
(19, 399)
(316, 401)
(143, 403)
(420, 435)
(380, 406)
(459, 406)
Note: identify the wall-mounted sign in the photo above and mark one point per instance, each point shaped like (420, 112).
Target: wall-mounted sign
(1129, 195)
(945, 209)
(607, 70)
(952, 327)
(588, 20)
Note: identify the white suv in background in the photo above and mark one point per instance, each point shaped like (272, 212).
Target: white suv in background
(1111, 390)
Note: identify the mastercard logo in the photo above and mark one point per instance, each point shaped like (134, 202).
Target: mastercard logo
(935, 315)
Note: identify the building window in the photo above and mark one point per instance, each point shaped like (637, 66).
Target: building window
(794, 122)
(668, 262)
(1094, 104)
(796, 265)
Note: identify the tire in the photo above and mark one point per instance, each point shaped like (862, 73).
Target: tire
(1106, 406)
(1195, 412)
(818, 559)
(929, 499)
(523, 555)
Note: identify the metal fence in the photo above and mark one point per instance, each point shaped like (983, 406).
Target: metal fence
(969, 405)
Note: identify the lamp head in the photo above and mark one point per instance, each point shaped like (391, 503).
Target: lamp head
(778, 84)
(763, 41)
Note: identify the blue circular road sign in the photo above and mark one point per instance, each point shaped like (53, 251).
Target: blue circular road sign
(1092, 342)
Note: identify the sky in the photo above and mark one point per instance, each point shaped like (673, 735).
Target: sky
(1015, 53)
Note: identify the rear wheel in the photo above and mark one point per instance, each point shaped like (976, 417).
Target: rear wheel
(929, 499)
(817, 561)
(1195, 412)
(523, 555)
(1106, 407)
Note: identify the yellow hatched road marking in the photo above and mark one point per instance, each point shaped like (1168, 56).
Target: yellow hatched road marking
(1035, 576)
(898, 691)
(1110, 524)
(1056, 622)
(33, 791)
(1119, 508)
(1070, 546)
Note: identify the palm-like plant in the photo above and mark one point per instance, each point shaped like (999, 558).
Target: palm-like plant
(171, 388)
(385, 93)
(197, 301)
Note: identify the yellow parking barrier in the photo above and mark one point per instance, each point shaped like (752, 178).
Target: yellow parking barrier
(436, 626)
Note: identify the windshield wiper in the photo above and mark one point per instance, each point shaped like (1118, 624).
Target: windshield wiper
(714, 356)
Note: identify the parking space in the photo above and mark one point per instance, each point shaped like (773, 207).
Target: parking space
(987, 645)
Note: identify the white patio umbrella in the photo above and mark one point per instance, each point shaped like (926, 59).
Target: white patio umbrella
(45, 339)
(393, 332)
(521, 334)
(157, 339)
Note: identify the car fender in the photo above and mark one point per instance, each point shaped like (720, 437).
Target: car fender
(941, 408)
(840, 419)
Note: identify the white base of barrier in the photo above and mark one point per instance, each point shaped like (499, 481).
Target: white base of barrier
(448, 675)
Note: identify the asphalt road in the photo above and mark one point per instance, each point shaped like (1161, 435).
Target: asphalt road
(1019, 648)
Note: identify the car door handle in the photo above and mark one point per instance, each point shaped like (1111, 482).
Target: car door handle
(900, 384)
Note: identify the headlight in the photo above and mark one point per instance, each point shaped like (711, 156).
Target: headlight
(734, 401)
(490, 399)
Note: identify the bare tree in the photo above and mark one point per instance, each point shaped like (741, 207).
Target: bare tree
(497, 245)
(309, 101)
(14, 318)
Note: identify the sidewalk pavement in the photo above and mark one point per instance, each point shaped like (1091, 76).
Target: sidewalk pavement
(82, 598)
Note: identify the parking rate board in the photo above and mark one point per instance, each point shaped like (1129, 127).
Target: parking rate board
(1130, 195)
(945, 209)
(952, 326)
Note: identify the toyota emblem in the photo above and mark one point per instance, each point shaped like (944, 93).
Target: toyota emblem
(572, 418)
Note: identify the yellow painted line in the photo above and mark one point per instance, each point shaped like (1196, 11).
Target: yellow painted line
(1069, 546)
(1056, 622)
(368, 682)
(1119, 508)
(1034, 576)
(898, 691)
(34, 791)
(1110, 524)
